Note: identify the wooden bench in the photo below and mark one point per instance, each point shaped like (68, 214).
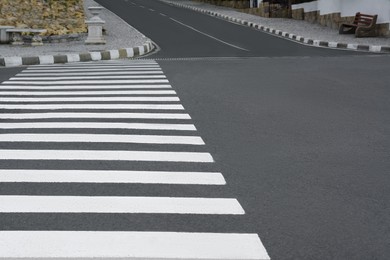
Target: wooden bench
(17, 38)
(364, 25)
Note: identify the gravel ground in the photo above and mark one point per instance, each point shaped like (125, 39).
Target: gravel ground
(297, 27)
(119, 35)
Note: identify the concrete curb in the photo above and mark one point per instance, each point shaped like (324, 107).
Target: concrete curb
(293, 37)
(82, 57)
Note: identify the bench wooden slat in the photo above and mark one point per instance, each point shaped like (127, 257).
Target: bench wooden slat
(364, 25)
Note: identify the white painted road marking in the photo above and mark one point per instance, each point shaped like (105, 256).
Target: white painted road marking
(101, 155)
(94, 69)
(88, 77)
(74, 99)
(94, 115)
(63, 84)
(122, 72)
(90, 92)
(85, 176)
(93, 125)
(93, 106)
(113, 204)
(72, 82)
(85, 87)
(90, 66)
(208, 35)
(130, 245)
(102, 138)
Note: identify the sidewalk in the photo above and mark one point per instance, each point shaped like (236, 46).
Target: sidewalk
(123, 41)
(297, 30)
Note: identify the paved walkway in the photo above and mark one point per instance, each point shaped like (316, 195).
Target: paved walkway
(319, 35)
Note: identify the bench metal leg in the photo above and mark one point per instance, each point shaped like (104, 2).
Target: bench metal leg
(36, 40)
(345, 29)
(17, 38)
(365, 32)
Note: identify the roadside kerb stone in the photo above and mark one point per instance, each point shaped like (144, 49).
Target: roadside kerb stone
(292, 37)
(82, 57)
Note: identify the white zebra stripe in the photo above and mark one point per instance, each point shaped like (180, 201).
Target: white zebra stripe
(85, 87)
(93, 106)
(95, 115)
(92, 92)
(105, 125)
(86, 176)
(101, 155)
(152, 68)
(65, 68)
(130, 72)
(113, 204)
(88, 77)
(102, 138)
(76, 82)
(132, 245)
(74, 99)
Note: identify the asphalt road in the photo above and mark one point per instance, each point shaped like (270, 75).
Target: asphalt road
(184, 33)
(301, 135)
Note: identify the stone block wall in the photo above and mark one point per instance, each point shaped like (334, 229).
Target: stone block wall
(238, 4)
(277, 11)
(330, 20)
(298, 14)
(59, 17)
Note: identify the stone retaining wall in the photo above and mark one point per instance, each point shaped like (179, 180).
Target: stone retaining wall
(238, 4)
(59, 17)
(265, 10)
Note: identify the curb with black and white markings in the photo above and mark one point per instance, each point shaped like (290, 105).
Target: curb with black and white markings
(290, 36)
(82, 57)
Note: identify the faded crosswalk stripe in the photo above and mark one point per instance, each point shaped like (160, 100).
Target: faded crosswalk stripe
(66, 128)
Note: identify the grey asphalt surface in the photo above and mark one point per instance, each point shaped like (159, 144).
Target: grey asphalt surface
(301, 135)
(303, 144)
(177, 40)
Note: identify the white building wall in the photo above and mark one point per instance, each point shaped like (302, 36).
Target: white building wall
(329, 6)
(379, 7)
(309, 7)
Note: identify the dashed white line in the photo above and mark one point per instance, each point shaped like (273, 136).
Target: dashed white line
(208, 35)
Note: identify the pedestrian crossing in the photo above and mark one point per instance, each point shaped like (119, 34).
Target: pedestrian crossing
(102, 161)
